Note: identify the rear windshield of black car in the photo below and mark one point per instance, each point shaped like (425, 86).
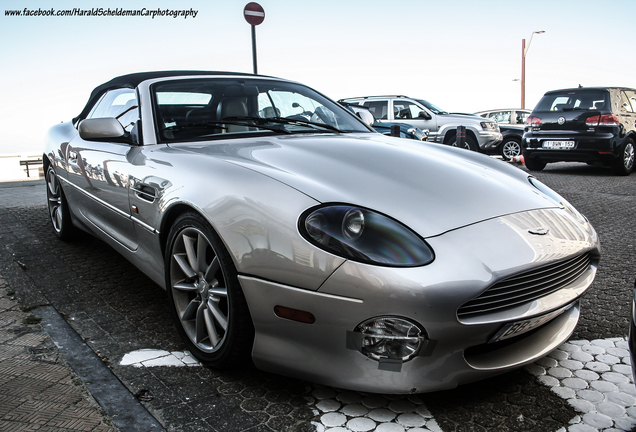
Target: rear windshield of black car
(574, 100)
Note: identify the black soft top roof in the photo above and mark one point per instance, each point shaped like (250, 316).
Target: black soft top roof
(134, 79)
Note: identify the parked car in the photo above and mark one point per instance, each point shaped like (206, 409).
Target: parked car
(510, 116)
(510, 147)
(287, 232)
(596, 125)
(405, 130)
(481, 134)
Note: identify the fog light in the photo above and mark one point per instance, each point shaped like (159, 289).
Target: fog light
(390, 338)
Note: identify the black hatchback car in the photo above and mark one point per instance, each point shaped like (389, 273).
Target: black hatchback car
(596, 125)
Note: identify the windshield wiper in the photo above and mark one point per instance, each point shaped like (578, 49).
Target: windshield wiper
(283, 120)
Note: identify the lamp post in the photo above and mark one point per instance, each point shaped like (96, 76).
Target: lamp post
(524, 51)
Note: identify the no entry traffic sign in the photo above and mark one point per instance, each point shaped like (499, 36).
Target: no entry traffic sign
(254, 13)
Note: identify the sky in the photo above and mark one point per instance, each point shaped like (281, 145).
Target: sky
(461, 55)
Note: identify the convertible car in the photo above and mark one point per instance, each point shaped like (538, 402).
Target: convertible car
(289, 234)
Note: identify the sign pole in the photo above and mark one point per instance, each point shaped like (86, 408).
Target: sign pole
(254, 14)
(254, 49)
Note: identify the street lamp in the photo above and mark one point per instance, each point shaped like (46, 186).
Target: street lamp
(524, 51)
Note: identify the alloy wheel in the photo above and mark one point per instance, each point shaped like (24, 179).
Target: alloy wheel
(628, 156)
(199, 290)
(54, 200)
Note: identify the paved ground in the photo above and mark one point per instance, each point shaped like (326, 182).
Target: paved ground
(38, 390)
(583, 386)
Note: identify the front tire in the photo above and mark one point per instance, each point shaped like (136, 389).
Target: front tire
(510, 148)
(205, 296)
(59, 213)
(624, 165)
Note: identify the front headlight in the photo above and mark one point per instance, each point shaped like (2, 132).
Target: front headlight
(362, 235)
(556, 198)
(490, 126)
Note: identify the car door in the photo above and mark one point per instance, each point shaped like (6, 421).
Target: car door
(98, 172)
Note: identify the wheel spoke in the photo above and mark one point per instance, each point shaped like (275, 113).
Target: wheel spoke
(200, 326)
(185, 286)
(202, 246)
(189, 242)
(190, 311)
(218, 292)
(184, 265)
(212, 269)
(58, 217)
(219, 316)
(52, 183)
(209, 325)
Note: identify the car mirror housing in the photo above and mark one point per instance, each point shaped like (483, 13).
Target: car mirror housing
(366, 117)
(102, 129)
(424, 115)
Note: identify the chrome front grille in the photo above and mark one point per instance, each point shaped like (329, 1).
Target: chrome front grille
(527, 286)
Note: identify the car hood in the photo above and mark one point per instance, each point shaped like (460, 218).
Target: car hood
(429, 187)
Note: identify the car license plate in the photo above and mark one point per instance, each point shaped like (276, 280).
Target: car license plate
(521, 327)
(558, 145)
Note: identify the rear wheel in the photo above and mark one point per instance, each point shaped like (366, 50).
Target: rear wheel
(510, 148)
(205, 296)
(58, 207)
(625, 163)
(534, 164)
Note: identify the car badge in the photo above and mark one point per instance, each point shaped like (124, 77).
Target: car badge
(539, 231)
(561, 120)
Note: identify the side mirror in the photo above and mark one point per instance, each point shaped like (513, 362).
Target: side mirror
(366, 117)
(424, 115)
(102, 129)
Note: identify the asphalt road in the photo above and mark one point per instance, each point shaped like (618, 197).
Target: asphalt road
(117, 310)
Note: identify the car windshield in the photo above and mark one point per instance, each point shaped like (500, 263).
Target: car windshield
(213, 108)
(430, 106)
(572, 100)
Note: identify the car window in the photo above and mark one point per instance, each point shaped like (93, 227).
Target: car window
(574, 100)
(405, 109)
(631, 95)
(121, 104)
(379, 109)
(626, 105)
(522, 116)
(502, 117)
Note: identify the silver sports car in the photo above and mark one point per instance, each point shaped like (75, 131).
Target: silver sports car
(288, 233)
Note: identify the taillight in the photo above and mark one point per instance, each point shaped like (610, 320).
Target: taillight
(533, 121)
(603, 120)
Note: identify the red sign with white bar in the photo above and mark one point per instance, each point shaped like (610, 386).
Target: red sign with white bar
(254, 13)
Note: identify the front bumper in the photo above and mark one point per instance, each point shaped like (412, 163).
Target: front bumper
(469, 260)
(488, 140)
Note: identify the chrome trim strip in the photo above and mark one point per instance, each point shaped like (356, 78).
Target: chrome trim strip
(111, 207)
(144, 225)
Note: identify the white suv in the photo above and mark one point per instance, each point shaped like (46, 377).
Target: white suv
(481, 134)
